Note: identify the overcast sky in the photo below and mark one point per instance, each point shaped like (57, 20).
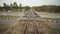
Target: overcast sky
(32, 2)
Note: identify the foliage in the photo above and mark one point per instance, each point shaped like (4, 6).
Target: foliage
(48, 8)
(13, 7)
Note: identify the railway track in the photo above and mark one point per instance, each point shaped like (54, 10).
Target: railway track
(35, 25)
(29, 26)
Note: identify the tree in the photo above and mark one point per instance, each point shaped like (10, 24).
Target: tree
(4, 4)
(20, 6)
(27, 8)
(57, 9)
(15, 4)
(1, 8)
(11, 5)
(6, 7)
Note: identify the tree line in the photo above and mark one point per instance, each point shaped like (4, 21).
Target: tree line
(48, 8)
(13, 7)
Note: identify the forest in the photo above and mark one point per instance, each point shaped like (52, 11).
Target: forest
(15, 8)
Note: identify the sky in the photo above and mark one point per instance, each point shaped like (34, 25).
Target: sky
(31, 2)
